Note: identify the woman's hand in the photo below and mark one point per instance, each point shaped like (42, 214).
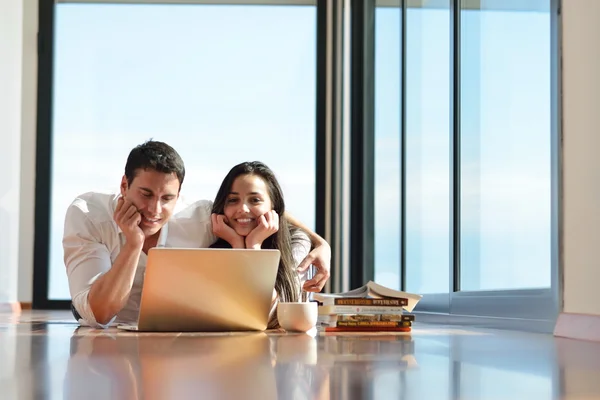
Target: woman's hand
(268, 224)
(224, 231)
(320, 257)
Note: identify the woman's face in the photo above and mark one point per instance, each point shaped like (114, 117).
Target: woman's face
(246, 202)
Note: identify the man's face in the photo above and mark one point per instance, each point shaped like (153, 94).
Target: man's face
(154, 194)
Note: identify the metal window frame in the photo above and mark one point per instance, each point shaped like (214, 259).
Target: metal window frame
(43, 184)
(362, 145)
(330, 133)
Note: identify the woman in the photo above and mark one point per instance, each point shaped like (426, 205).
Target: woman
(249, 212)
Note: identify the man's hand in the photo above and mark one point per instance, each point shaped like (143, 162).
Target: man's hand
(110, 292)
(268, 224)
(224, 231)
(320, 257)
(128, 218)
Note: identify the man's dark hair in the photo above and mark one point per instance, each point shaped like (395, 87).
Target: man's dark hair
(154, 155)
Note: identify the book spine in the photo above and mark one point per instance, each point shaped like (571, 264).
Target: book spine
(390, 324)
(357, 301)
(370, 317)
(367, 329)
(332, 309)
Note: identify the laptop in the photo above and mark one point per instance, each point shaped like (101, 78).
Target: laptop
(207, 290)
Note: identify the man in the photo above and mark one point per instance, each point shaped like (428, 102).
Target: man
(107, 237)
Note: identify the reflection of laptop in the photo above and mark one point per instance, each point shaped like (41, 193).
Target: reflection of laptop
(207, 290)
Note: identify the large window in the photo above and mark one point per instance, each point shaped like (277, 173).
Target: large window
(221, 83)
(473, 217)
(505, 146)
(446, 112)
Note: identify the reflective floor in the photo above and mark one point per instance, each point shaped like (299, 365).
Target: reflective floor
(44, 355)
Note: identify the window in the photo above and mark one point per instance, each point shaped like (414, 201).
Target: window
(426, 154)
(387, 146)
(221, 83)
(466, 186)
(505, 146)
(428, 148)
(465, 108)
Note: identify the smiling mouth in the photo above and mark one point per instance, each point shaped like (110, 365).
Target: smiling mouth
(244, 221)
(150, 221)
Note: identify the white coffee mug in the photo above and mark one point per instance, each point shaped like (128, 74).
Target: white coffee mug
(297, 316)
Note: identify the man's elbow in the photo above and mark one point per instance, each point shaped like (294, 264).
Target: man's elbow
(103, 312)
(103, 318)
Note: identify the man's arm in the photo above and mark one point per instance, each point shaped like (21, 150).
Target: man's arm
(110, 292)
(320, 257)
(99, 290)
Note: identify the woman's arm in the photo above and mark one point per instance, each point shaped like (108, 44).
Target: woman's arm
(320, 257)
(301, 246)
(300, 243)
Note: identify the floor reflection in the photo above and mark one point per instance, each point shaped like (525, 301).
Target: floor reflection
(161, 367)
(53, 359)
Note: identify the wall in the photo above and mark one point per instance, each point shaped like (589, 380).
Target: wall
(11, 27)
(28, 140)
(581, 156)
(18, 69)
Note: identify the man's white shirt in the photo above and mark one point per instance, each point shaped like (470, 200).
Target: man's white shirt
(92, 241)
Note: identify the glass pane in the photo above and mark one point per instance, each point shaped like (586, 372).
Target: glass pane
(428, 147)
(387, 146)
(221, 84)
(505, 145)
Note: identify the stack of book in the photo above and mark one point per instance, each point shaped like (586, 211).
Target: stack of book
(369, 308)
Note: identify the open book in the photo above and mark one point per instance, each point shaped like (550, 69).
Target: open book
(373, 290)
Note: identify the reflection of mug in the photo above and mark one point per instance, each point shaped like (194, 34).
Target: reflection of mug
(297, 317)
(296, 348)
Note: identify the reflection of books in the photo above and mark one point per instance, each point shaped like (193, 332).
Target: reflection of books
(382, 343)
(398, 339)
(374, 291)
(386, 348)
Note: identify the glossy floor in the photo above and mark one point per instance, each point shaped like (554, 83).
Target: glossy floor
(44, 355)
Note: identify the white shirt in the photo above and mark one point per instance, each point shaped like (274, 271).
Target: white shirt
(92, 241)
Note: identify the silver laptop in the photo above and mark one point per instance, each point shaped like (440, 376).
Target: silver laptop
(207, 290)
